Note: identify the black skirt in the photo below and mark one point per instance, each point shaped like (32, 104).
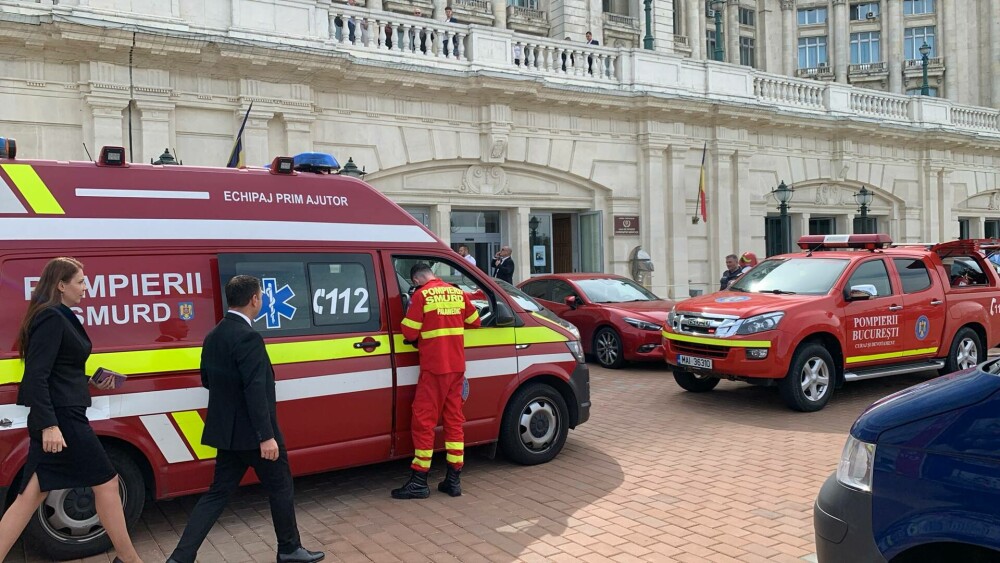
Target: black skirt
(82, 463)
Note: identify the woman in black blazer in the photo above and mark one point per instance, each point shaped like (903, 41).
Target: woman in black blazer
(64, 452)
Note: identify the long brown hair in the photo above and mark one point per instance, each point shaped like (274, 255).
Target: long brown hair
(46, 294)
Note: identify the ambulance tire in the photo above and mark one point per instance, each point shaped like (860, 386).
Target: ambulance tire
(535, 424)
(59, 544)
(809, 383)
(695, 383)
(966, 351)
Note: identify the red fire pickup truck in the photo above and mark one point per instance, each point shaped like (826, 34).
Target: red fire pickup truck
(848, 307)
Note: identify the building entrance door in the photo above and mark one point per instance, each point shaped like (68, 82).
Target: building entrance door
(480, 231)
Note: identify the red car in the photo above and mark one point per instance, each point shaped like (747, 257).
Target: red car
(619, 320)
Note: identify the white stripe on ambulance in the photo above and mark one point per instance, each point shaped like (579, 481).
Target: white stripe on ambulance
(140, 194)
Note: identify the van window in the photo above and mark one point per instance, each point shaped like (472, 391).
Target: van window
(913, 273)
(309, 293)
(872, 272)
(450, 272)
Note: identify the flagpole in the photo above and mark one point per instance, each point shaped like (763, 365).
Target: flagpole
(234, 156)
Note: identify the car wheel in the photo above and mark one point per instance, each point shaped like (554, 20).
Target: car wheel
(694, 382)
(608, 348)
(66, 526)
(535, 424)
(808, 385)
(966, 351)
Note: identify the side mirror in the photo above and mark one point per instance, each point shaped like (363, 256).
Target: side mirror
(571, 301)
(504, 314)
(862, 292)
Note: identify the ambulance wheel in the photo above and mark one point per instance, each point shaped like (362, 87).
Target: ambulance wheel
(695, 383)
(608, 348)
(66, 526)
(808, 385)
(966, 352)
(535, 424)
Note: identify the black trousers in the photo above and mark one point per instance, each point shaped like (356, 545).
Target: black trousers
(230, 467)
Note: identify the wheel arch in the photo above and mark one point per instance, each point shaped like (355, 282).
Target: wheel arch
(947, 551)
(832, 344)
(136, 455)
(560, 385)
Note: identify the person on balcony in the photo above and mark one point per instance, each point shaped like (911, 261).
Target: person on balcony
(590, 60)
(449, 18)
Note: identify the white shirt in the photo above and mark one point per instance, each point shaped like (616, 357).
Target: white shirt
(245, 318)
(470, 259)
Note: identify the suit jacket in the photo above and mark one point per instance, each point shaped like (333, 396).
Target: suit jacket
(505, 270)
(239, 377)
(54, 366)
(594, 42)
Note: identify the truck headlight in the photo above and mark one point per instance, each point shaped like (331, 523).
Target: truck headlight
(672, 315)
(641, 324)
(576, 350)
(760, 323)
(856, 464)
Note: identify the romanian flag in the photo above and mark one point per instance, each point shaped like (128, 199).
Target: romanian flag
(237, 158)
(702, 204)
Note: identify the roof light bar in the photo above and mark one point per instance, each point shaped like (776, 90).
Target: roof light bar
(8, 148)
(867, 242)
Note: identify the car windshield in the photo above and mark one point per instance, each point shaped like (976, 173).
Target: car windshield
(526, 301)
(809, 276)
(614, 290)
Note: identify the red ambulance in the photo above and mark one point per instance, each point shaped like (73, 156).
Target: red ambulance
(158, 244)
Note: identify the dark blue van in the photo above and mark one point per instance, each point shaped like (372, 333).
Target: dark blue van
(919, 478)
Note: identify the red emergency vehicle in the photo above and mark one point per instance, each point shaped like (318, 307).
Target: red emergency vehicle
(158, 244)
(849, 307)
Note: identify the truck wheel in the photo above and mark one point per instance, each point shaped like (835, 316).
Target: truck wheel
(695, 383)
(608, 348)
(65, 526)
(535, 424)
(966, 351)
(809, 383)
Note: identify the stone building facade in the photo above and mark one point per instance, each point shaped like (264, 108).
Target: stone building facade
(496, 135)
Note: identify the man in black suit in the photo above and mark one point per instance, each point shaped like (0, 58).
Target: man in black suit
(590, 60)
(242, 425)
(503, 265)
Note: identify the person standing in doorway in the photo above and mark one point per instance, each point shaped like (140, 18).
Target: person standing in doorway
(242, 425)
(63, 451)
(503, 265)
(464, 251)
(436, 321)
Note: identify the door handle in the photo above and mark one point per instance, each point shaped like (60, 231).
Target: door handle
(936, 302)
(896, 308)
(368, 345)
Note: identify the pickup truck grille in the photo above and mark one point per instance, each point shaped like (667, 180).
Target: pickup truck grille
(699, 325)
(702, 350)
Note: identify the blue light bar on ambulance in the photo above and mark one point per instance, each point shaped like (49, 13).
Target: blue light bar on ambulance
(318, 162)
(8, 148)
(828, 242)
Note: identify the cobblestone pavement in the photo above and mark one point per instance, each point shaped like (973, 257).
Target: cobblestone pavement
(657, 474)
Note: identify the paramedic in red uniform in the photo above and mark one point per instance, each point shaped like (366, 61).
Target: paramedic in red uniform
(436, 320)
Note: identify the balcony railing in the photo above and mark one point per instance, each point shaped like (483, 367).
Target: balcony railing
(621, 21)
(911, 64)
(818, 72)
(681, 41)
(396, 33)
(868, 68)
(563, 58)
(474, 5)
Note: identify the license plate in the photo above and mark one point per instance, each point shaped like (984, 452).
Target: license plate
(703, 363)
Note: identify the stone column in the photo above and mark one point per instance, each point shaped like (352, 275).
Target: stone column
(440, 218)
(732, 31)
(789, 29)
(678, 218)
(694, 12)
(893, 49)
(653, 218)
(839, 41)
(517, 238)
(298, 129)
(744, 224)
(995, 53)
(255, 142)
(155, 129)
(107, 120)
(955, 66)
(500, 14)
(723, 206)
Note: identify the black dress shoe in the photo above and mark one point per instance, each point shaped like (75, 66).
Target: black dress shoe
(301, 555)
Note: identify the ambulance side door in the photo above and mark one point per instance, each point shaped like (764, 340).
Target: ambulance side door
(490, 354)
(326, 329)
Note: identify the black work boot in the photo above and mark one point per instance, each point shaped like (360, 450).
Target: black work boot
(452, 483)
(416, 487)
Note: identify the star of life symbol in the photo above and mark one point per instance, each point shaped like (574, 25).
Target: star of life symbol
(275, 303)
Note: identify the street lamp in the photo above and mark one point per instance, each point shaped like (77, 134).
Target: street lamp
(864, 199)
(165, 158)
(925, 50)
(783, 194)
(647, 41)
(351, 169)
(717, 8)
